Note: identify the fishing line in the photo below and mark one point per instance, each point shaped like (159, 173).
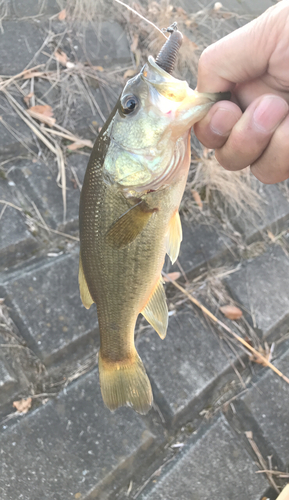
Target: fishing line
(142, 17)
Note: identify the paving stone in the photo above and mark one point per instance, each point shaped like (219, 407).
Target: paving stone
(39, 182)
(19, 41)
(103, 44)
(213, 466)
(261, 285)
(16, 242)
(274, 214)
(183, 365)
(8, 379)
(202, 244)
(14, 133)
(39, 8)
(73, 446)
(46, 307)
(268, 403)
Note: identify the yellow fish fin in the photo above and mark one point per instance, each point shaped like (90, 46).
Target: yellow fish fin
(84, 292)
(174, 237)
(129, 225)
(156, 310)
(125, 383)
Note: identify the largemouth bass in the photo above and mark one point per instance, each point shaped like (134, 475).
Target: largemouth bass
(129, 217)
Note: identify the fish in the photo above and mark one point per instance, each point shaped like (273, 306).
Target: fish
(129, 216)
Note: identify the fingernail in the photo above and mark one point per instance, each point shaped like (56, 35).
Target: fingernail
(269, 113)
(222, 121)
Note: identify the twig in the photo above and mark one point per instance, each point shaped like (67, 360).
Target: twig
(69, 136)
(223, 325)
(4, 202)
(54, 148)
(5, 83)
(249, 436)
(142, 17)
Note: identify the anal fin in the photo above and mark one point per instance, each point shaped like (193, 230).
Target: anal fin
(174, 237)
(156, 310)
(83, 288)
(129, 225)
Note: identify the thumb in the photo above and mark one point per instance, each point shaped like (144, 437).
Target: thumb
(244, 54)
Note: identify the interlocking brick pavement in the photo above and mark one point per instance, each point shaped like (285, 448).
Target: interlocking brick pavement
(192, 444)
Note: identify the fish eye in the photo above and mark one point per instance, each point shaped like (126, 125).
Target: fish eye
(128, 104)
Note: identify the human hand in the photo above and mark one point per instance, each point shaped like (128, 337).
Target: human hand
(252, 62)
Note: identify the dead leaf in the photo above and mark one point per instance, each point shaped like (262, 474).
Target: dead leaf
(61, 57)
(197, 199)
(27, 98)
(44, 109)
(231, 312)
(62, 15)
(271, 236)
(98, 68)
(172, 276)
(80, 144)
(23, 405)
(43, 113)
(129, 73)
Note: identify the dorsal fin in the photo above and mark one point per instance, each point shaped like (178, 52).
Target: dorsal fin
(156, 310)
(174, 237)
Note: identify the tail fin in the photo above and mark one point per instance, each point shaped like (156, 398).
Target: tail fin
(125, 383)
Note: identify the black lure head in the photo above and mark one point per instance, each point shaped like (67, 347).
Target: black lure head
(168, 54)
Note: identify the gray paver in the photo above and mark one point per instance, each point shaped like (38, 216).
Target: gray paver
(184, 364)
(202, 243)
(268, 402)
(29, 35)
(14, 133)
(16, 242)
(47, 309)
(215, 466)
(71, 445)
(8, 379)
(38, 180)
(104, 44)
(260, 280)
(34, 7)
(274, 214)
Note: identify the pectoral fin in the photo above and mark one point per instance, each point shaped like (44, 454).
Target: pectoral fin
(125, 229)
(156, 310)
(174, 237)
(84, 292)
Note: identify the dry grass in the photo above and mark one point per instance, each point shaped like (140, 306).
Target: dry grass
(224, 191)
(74, 82)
